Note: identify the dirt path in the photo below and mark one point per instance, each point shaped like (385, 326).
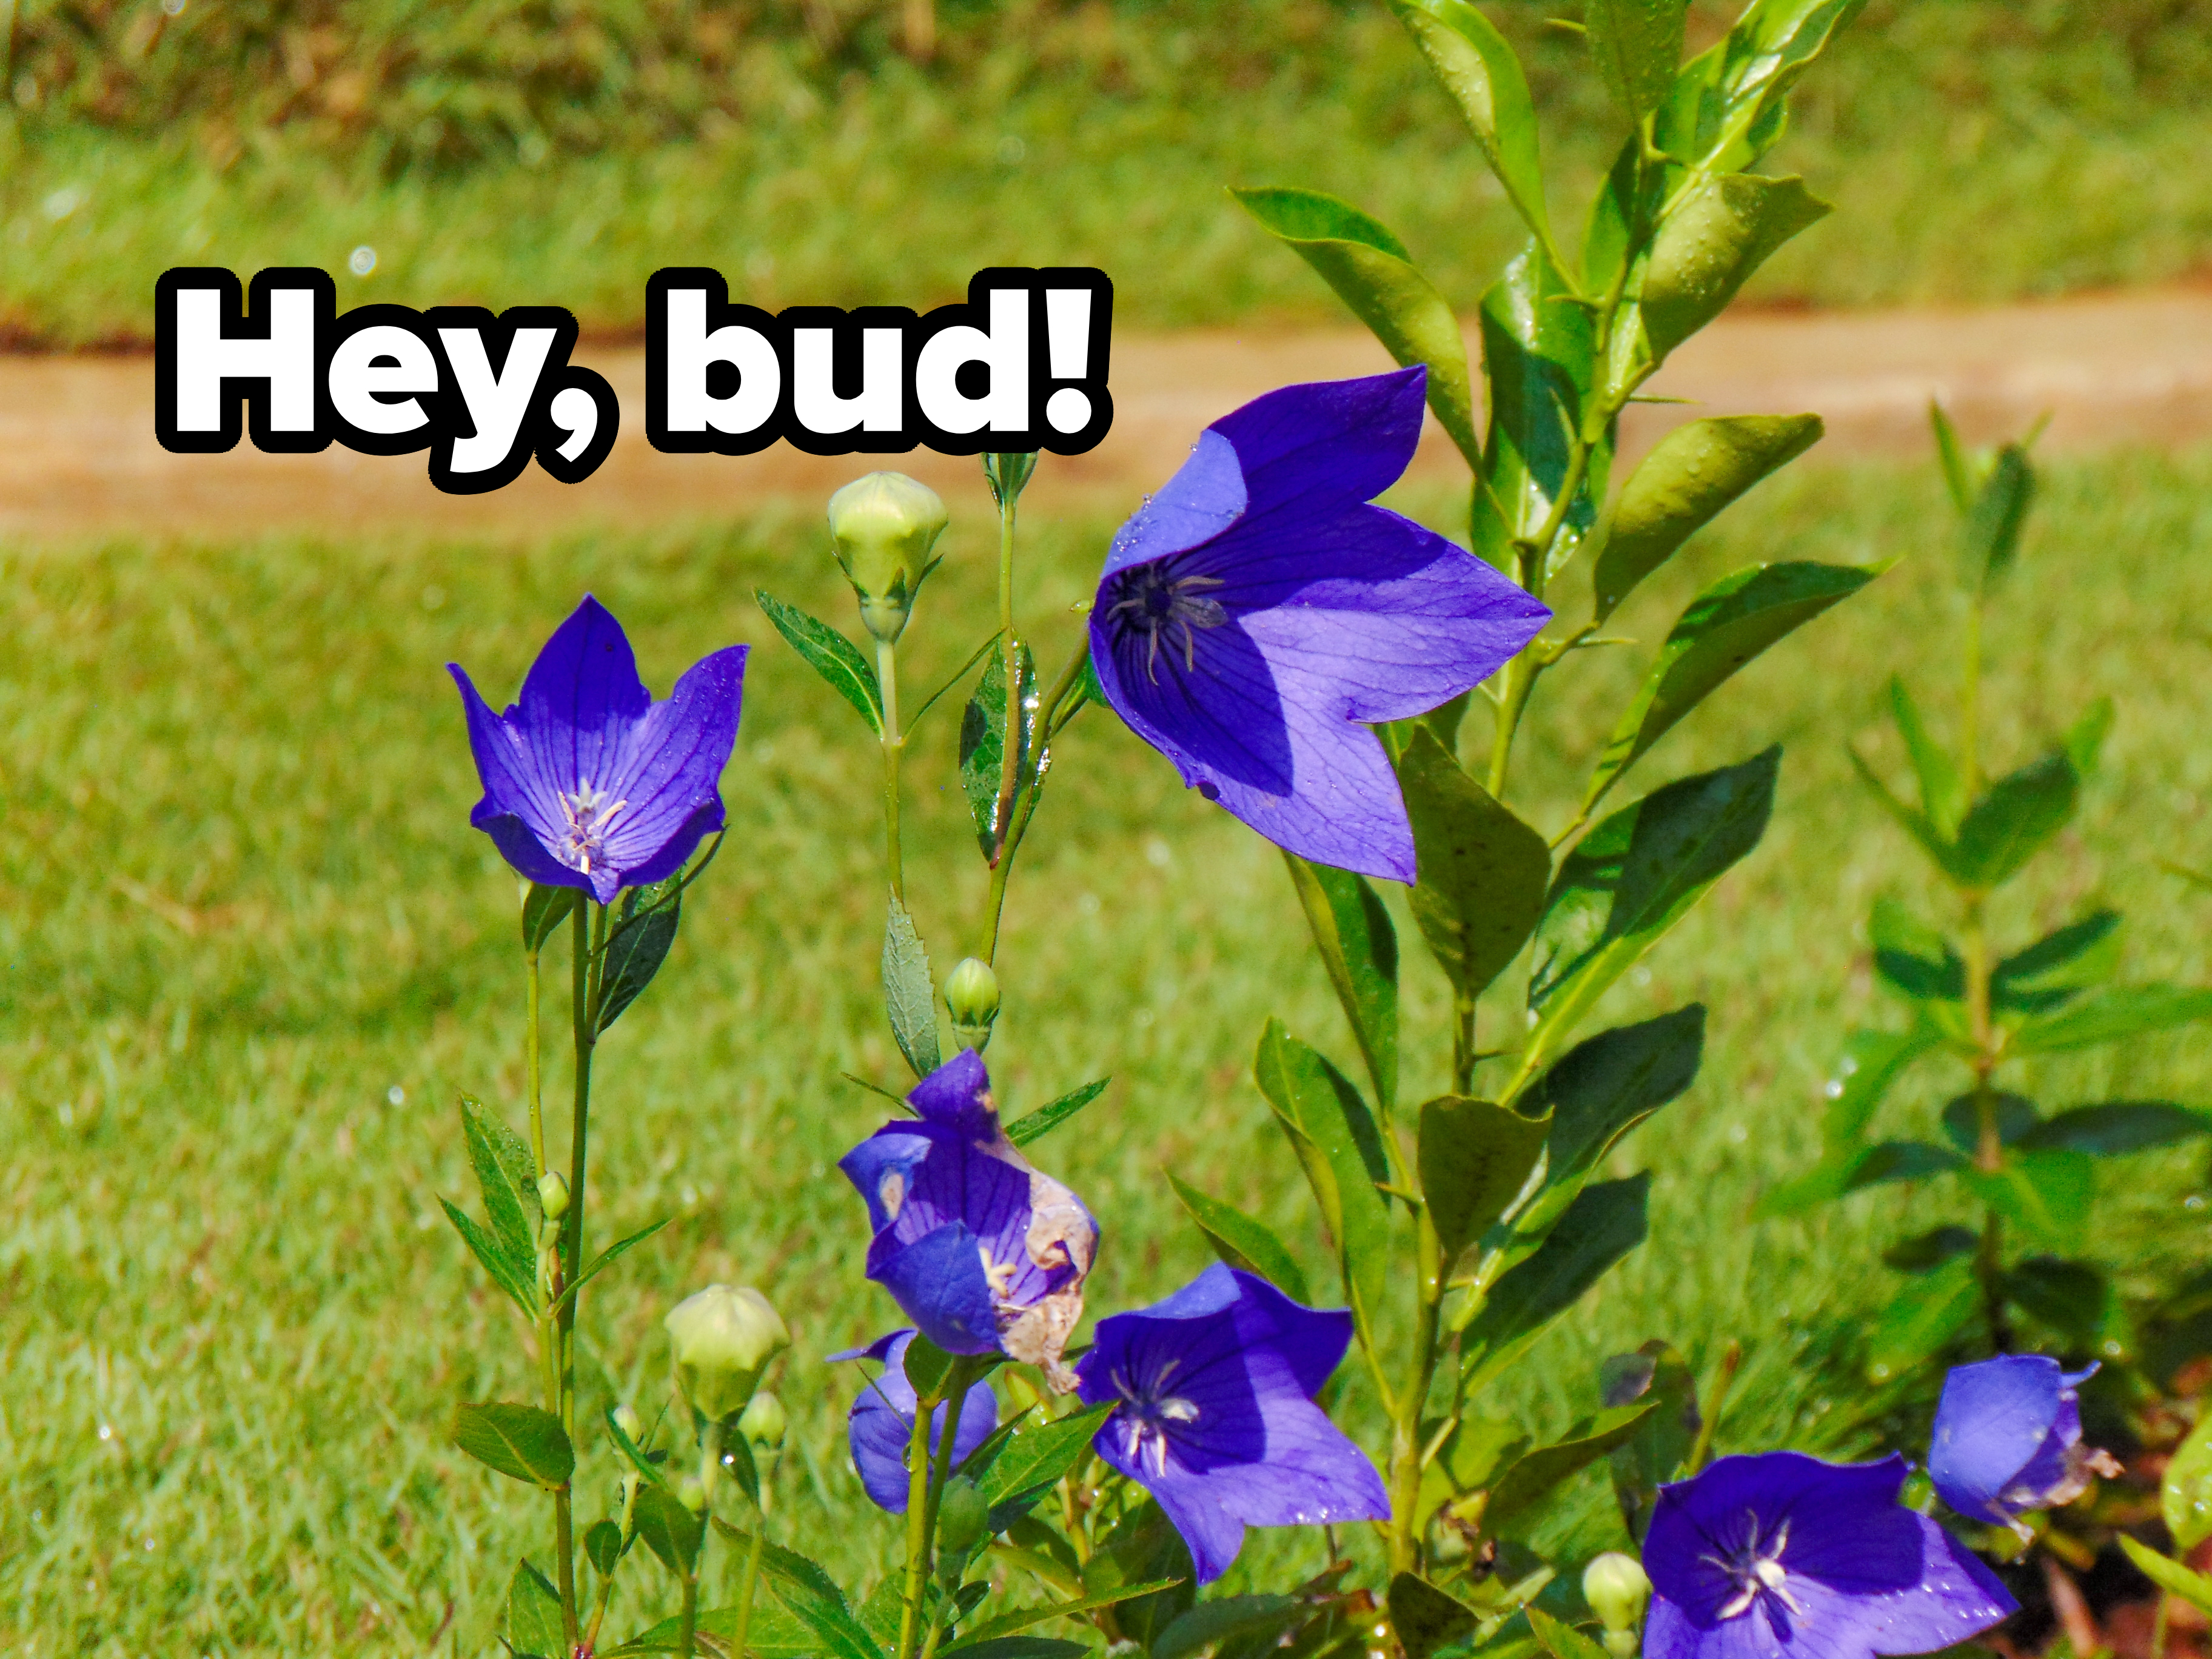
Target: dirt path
(77, 453)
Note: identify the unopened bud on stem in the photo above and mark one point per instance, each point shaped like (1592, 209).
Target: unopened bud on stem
(553, 1194)
(763, 1423)
(971, 997)
(881, 528)
(1617, 1591)
(628, 1420)
(723, 1339)
(963, 1524)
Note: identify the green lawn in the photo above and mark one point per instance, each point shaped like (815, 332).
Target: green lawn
(253, 952)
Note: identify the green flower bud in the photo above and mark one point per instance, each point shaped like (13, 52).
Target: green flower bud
(553, 1194)
(691, 1493)
(963, 1526)
(723, 1339)
(971, 996)
(881, 528)
(1615, 1587)
(1007, 474)
(763, 1423)
(628, 1420)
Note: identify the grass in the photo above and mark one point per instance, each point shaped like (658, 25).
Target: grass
(1980, 149)
(252, 953)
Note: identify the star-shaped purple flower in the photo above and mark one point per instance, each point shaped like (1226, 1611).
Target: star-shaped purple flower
(1783, 1554)
(880, 1426)
(587, 781)
(983, 1253)
(2009, 1440)
(1218, 1419)
(1257, 615)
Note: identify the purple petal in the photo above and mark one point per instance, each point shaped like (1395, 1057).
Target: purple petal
(1210, 1532)
(939, 1282)
(880, 1426)
(504, 766)
(1202, 500)
(1995, 1420)
(580, 699)
(672, 765)
(894, 1151)
(1314, 449)
(957, 1096)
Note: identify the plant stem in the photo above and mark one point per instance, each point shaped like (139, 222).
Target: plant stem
(1406, 1438)
(1731, 1356)
(894, 747)
(917, 1531)
(530, 1064)
(1970, 703)
(1463, 1007)
(1989, 1141)
(587, 934)
(748, 1584)
(1010, 757)
(687, 1625)
(2158, 1625)
(1002, 870)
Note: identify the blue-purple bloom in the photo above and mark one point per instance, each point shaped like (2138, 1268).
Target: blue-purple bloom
(880, 1427)
(1257, 615)
(985, 1253)
(1218, 1419)
(587, 781)
(1781, 1553)
(2009, 1440)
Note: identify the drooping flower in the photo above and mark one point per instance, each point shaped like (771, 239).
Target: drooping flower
(1218, 1419)
(879, 1429)
(1782, 1553)
(1257, 614)
(2009, 1440)
(982, 1251)
(587, 781)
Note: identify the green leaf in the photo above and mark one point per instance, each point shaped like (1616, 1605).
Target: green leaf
(1359, 949)
(1690, 475)
(2116, 1125)
(1727, 106)
(533, 1615)
(1990, 537)
(1921, 1318)
(2073, 1298)
(619, 1248)
(1958, 472)
(1533, 1477)
(544, 908)
(2192, 1586)
(738, 1459)
(1374, 274)
(1933, 840)
(1942, 791)
(2110, 1013)
(1911, 957)
(812, 1595)
(1005, 1624)
(1337, 1143)
(1634, 876)
(2056, 968)
(670, 1531)
(832, 655)
(1726, 626)
(1655, 1452)
(2084, 740)
(1482, 870)
(773, 1634)
(1143, 1549)
(1022, 1647)
(632, 1452)
(1425, 1618)
(927, 1368)
(2013, 820)
(1924, 1252)
(507, 1176)
(2015, 1114)
(1637, 46)
(1536, 353)
(1471, 59)
(908, 994)
(1031, 1461)
(1229, 1619)
(1054, 1113)
(1243, 1242)
(645, 928)
(2185, 1495)
(603, 1547)
(983, 746)
(1475, 1156)
(2045, 1195)
(521, 1442)
(1561, 1641)
(1604, 1224)
(1890, 1161)
(520, 1283)
(1709, 245)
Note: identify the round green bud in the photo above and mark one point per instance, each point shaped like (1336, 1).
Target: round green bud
(691, 1493)
(628, 1420)
(881, 528)
(971, 997)
(723, 1339)
(763, 1424)
(1615, 1587)
(963, 1524)
(553, 1194)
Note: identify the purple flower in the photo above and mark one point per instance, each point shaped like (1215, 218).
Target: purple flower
(587, 781)
(1257, 615)
(983, 1253)
(880, 1426)
(1218, 1420)
(1782, 1553)
(2009, 1439)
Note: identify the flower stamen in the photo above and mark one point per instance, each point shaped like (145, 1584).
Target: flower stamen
(591, 817)
(1152, 599)
(1758, 1571)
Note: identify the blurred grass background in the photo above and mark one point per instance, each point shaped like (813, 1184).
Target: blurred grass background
(253, 952)
(560, 150)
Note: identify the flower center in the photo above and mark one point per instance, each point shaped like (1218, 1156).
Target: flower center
(1756, 1570)
(591, 815)
(1152, 599)
(1147, 1410)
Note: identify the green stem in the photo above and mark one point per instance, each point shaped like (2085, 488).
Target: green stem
(747, 1585)
(1463, 1006)
(1988, 1142)
(917, 1531)
(2158, 1626)
(1406, 1439)
(687, 1624)
(590, 920)
(1010, 759)
(1970, 703)
(1002, 871)
(607, 1582)
(530, 1064)
(1731, 1358)
(894, 747)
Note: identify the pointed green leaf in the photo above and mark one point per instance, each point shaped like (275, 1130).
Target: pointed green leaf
(1373, 274)
(2084, 740)
(1032, 1458)
(2045, 1194)
(2016, 1120)
(1914, 822)
(2168, 1574)
(644, 930)
(1143, 1549)
(2015, 818)
(1911, 957)
(1003, 1624)
(1637, 46)
(2116, 1125)
(1958, 471)
(1605, 1222)
(2185, 1494)
(670, 1531)
(1991, 539)
(543, 909)
(1242, 1620)
(1921, 1318)
(1536, 353)
(2108, 1014)
(1475, 1157)
(2076, 1300)
(1471, 59)
(1888, 1162)
(984, 744)
(1942, 791)
(1482, 870)
(632, 1452)
(1709, 246)
(522, 1441)
(909, 996)
(533, 1615)
(1243, 1242)
(603, 1547)
(619, 1248)
(1690, 475)
(1021, 1647)
(1424, 1617)
(1359, 950)
(811, 1594)
(1533, 1478)
(1560, 1640)
(1924, 1252)
(507, 1176)
(519, 1281)
(1632, 878)
(772, 1634)
(1725, 627)
(1054, 1113)
(832, 655)
(1655, 1452)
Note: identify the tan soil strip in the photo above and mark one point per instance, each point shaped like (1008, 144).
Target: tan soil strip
(77, 452)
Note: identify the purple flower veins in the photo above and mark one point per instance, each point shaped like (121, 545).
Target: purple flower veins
(879, 1430)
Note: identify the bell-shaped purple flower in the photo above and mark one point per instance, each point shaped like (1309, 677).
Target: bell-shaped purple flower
(1218, 1419)
(982, 1251)
(1781, 1553)
(587, 781)
(2009, 1440)
(880, 1427)
(1258, 614)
